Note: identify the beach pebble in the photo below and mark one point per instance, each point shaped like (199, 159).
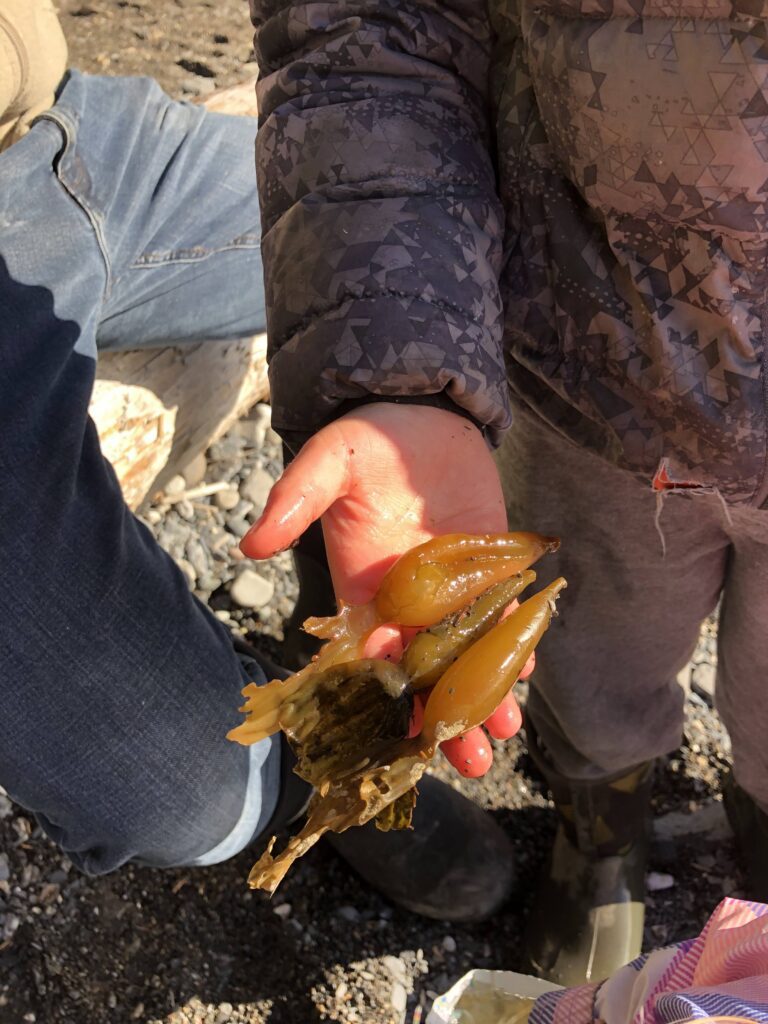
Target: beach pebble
(256, 487)
(250, 590)
(226, 500)
(657, 881)
(176, 485)
(194, 472)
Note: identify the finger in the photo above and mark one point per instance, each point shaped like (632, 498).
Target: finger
(384, 642)
(529, 666)
(417, 715)
(470, 754)
(506, 720)
(316, 478)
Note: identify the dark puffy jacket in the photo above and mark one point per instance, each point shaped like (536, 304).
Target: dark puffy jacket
(576, 188)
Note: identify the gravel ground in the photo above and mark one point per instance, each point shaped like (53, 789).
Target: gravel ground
(196, 947)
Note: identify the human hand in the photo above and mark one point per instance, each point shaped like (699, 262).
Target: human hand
(385, 478)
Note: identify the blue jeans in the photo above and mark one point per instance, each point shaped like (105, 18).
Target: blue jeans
(125, 219)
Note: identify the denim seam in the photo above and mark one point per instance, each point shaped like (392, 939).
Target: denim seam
(67, 122)
(195, 254)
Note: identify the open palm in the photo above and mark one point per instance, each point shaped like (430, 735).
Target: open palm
(384, 478)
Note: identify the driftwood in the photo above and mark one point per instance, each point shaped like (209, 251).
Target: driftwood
(156, 409)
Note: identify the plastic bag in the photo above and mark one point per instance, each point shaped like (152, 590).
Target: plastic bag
(489, 997)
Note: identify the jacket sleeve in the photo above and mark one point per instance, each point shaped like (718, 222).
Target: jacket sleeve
(382, 229)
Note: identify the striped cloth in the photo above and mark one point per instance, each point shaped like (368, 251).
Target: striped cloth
(722, 973)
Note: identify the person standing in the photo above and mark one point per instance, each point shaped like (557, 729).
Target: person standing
(551, 215)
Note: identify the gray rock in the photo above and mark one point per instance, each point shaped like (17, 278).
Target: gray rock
(709, 820)
(185, 509)
(173, 534)
(5, 868)
(250, 432)
(5, 805)
(30, 873)
(263, 412)
(256, 487)
(254, 428)
(194, 472)
(684, 677)
(11, 925)
(657, 881)
(197, 556)
(348, 914)
(227, 449)
(23, 828)
(242, 509)
(449, 944)
(250, 590)
(188, 571)
(396, 968)
(399, 998)
(238, 526)
(703, 681)
(215, 538)
(210, 581)
(176, 485)
(226, 500)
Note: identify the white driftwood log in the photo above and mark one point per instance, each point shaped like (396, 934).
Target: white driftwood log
(156, 409)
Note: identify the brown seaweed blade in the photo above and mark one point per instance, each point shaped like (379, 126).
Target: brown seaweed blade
(354, 796)
(353, 801)
(347, 718)
(264, 705)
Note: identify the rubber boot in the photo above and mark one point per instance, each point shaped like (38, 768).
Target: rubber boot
(587, 920)
(454, 864)
(750, 825)
(316, 597)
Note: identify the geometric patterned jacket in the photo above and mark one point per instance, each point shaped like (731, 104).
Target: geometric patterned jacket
(561, 198)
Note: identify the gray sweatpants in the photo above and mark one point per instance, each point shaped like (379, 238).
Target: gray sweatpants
(604, 695)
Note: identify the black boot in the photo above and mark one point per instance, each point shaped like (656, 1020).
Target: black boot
(750, 825)
(587, 920)
(455, 864)
(316, 597)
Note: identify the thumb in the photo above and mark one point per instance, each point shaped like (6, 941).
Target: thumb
(316, 478)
